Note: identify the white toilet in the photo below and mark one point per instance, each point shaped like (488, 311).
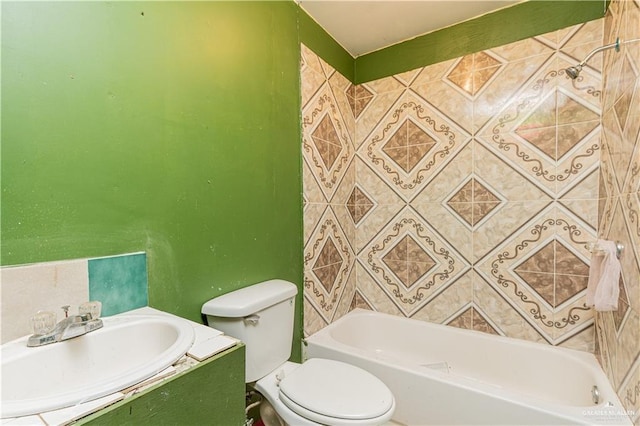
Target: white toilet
(319, 391)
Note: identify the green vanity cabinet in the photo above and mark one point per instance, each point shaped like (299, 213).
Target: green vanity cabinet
(210, 393)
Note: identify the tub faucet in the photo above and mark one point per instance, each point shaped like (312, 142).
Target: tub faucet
(68, 328)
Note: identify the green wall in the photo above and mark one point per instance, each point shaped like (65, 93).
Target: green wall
(165, 127)
(174, 128)
(323, 45)
(518, 22)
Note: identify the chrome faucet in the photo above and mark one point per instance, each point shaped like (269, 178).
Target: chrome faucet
(68, 328)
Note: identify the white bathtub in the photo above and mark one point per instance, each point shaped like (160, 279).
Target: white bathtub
(445, 375)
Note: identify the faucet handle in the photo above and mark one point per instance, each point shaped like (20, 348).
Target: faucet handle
(94, 308)
(43, 322)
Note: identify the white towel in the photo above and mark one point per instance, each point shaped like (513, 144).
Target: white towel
(604, 274)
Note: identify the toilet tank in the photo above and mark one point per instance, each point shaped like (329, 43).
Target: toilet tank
(260, 315)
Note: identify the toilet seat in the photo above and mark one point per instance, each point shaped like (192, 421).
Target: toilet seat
(331, 392)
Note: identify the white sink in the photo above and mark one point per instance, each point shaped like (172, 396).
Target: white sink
(126, 351)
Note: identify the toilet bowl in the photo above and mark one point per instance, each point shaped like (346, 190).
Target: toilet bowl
(317, 392)
(326, 392)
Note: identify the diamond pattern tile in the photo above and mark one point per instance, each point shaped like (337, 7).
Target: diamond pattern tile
(464, 320)
(472, 72)
(554, 272)
(472, 319)
(484, 202)
(540, 261)
(557, 125)
(463, 81)
(408, 261)
(537, 272)
(358, 301)
(623, 105)
(463, 66)
(328, 265)
(328, 260)
(480, 323)
(567, 263)
(567, 286)
(482, 77)
(408, 145)
(473, 202)
(327, 142)
(359, 97)
(482, 194)
(571, 111)
(464, 195)
(358, 205)
(539, 128)
(482, 210)
(571, 135)
(551, 146)
(411, 262)
(482, 60)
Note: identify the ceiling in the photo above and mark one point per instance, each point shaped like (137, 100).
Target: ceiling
(363, 26)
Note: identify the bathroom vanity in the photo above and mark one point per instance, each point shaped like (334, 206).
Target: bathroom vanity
(141, 367)
(211, 392)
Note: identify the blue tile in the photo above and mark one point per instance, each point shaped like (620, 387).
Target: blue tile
(119, 282)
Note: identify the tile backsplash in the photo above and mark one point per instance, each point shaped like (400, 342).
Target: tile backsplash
(119, 282)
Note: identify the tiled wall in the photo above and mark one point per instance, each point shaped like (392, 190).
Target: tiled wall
(119, 282)
(619, 204)
(462, 193)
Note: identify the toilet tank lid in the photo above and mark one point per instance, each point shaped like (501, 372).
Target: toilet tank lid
(249, 300)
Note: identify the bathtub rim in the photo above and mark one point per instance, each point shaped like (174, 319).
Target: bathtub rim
(610, 401)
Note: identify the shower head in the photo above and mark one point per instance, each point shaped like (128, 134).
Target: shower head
(573, 72)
